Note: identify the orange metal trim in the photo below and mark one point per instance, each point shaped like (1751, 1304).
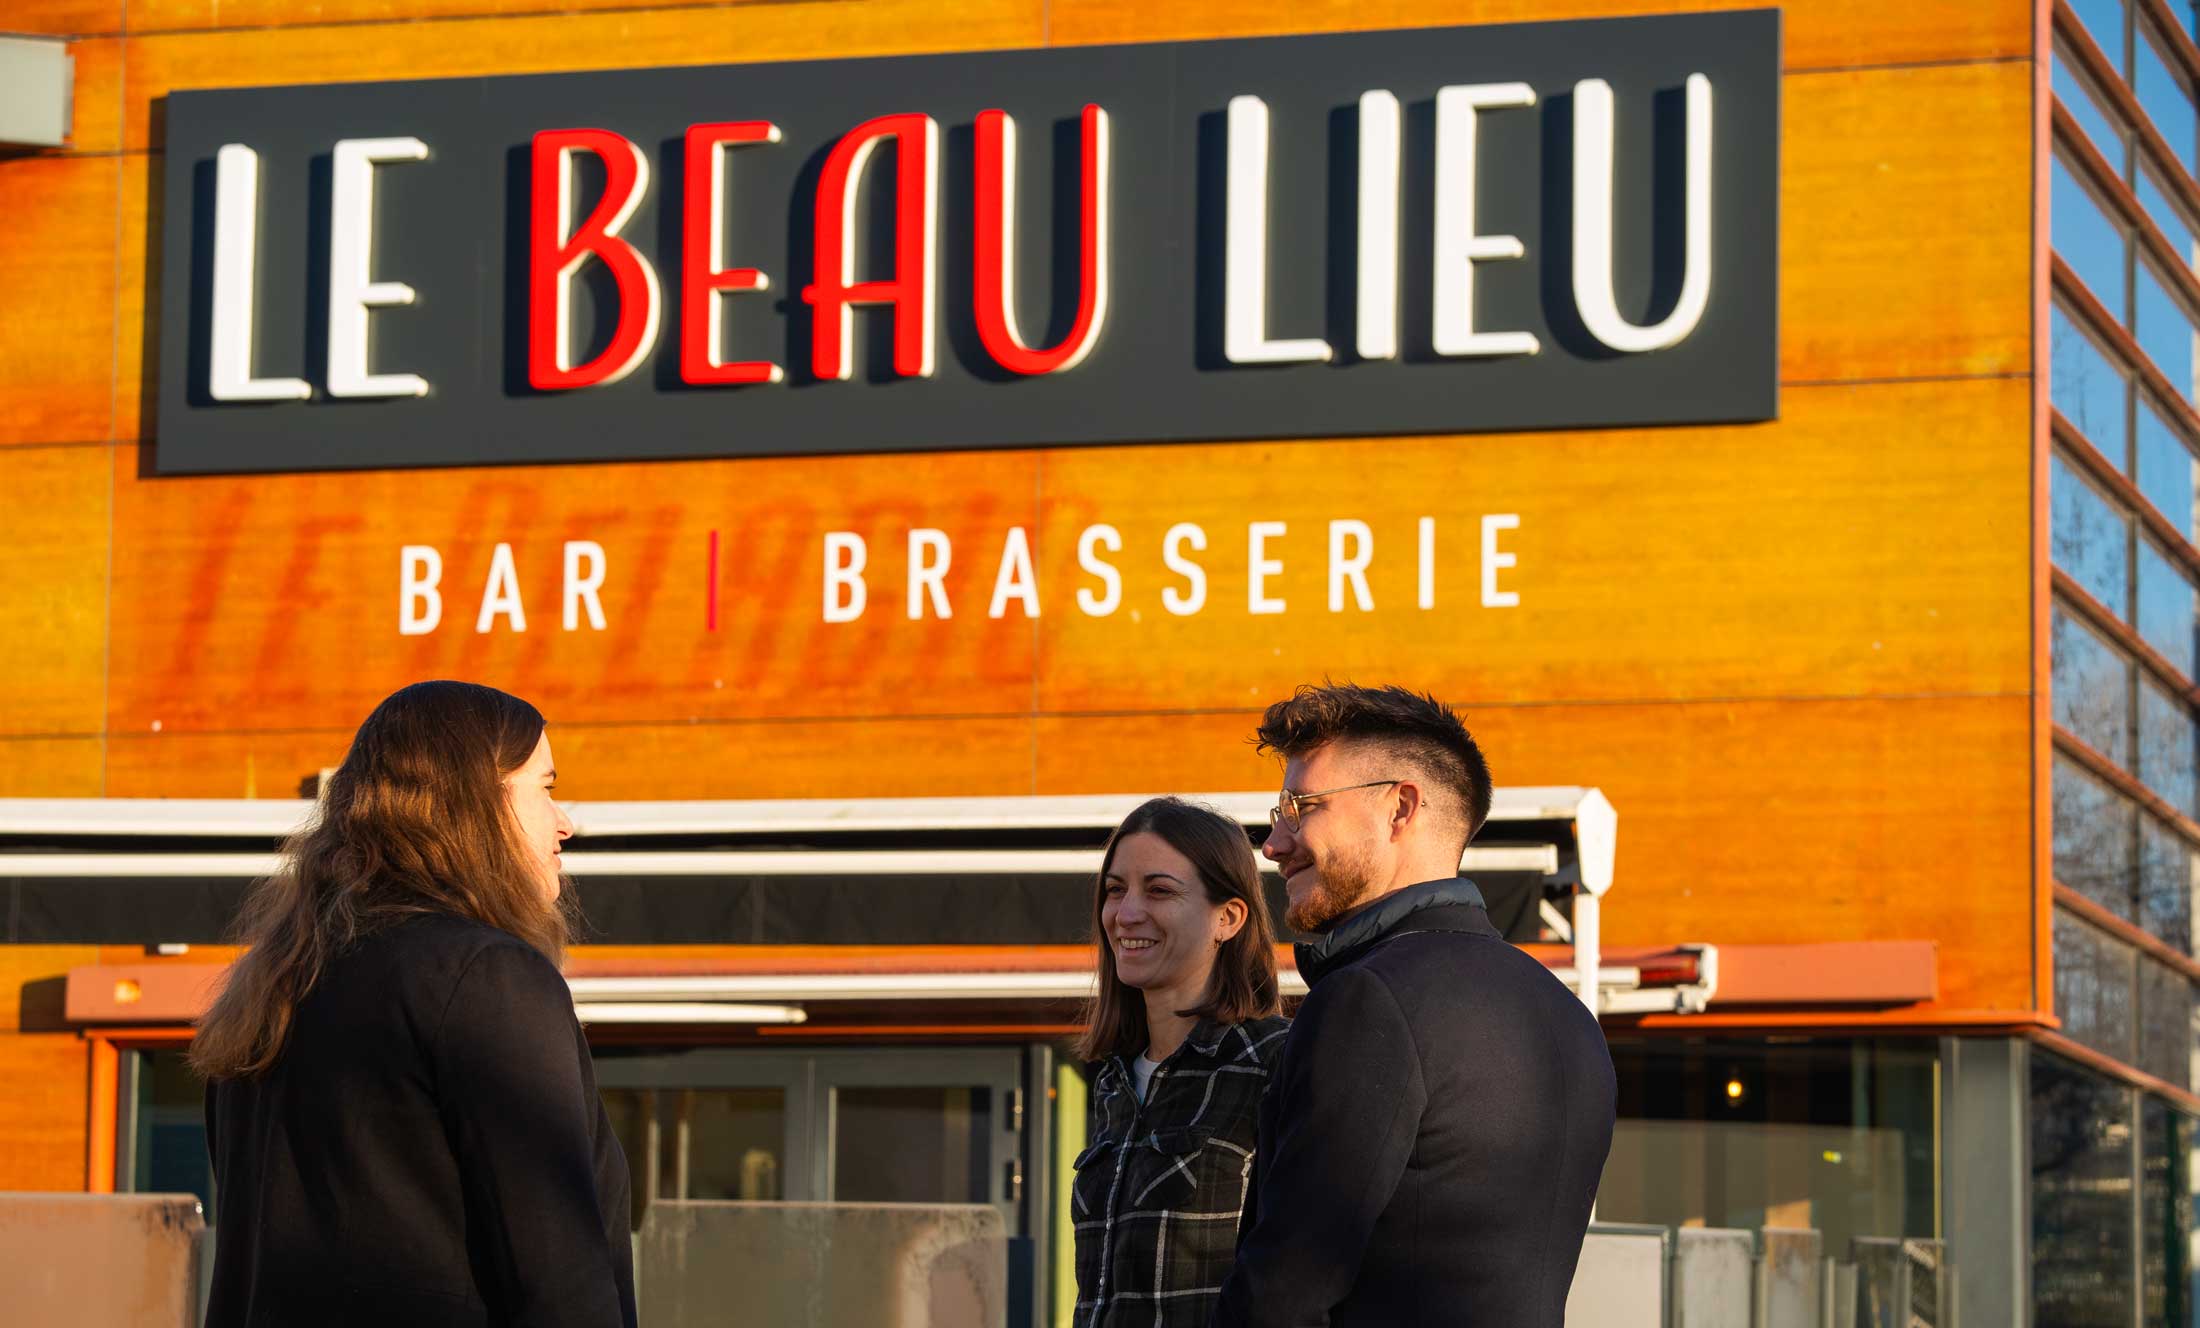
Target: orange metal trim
(799, 1032)
(99, 1150)
(2103, 472)
(1874, 1022)
(2065, 897)
(1845, 972)
(2043, 296)
(2116, 1069)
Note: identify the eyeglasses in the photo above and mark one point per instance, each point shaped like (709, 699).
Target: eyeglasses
(1292, 809)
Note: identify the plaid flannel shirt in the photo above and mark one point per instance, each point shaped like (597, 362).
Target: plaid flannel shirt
(1160, 1190)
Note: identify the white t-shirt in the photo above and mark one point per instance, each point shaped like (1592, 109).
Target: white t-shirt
(1142, 1073)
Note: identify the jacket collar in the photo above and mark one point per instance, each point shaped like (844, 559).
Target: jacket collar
(1205, 1039)
(1451, 904)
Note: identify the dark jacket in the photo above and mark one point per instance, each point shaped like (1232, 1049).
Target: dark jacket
(1161, 1188)
(1431, 1145)
(429, 1150)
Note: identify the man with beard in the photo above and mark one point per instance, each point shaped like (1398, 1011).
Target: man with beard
(1431, 1143)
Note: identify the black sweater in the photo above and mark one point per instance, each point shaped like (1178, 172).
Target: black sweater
(429, 1151)
(1431, 1143)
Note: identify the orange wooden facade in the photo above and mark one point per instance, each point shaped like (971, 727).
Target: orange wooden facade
(1801, 657)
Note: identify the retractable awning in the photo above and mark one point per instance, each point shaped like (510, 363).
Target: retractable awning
(898, 873)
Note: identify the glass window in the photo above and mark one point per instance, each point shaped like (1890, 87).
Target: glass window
(2096, 838)
(2167, 215)
(2091, 689)
(2164, 329)
(1832, 1134)
(912, 1145)
(2089, 539)
(2169, 748)
(2088, 241)
(2103, 21)
(2094, 973)
(2166, 97)
(2082, 1238)
(2165, 1023)
(2087, 386)
(2166, 601)
(2165, 469)
(2075, 91)
(2166, 865)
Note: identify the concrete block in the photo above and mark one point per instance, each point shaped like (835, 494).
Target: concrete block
(1620, 1281)
(116, 1260)
(1787, 1277)
(1714, 1277)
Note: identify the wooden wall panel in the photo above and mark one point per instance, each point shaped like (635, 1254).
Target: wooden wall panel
(810, 29)
(144, 764)
(598, 762)
(45, 1112)
(137, 296)
(1819, 33)
(62, 18)
(95, 115)
(1906, 254)
(1854, 548)
(53, 602)
(51, 767)
(185, 15)
(1885, 819)
(1869, 543)
(29, 982)
(272, 601)
(57, 341)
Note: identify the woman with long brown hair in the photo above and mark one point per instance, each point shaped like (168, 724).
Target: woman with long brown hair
(1185, 1030)
(401, 1107)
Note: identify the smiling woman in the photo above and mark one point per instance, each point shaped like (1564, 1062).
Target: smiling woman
(1185, 1028)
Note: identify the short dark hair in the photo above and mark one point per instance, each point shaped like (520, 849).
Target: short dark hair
(1406, 726)
(1243, 984)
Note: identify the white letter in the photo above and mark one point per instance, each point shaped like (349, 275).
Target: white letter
(1378, 234)
(352, 291)
(1099, 606)
(1014, 580)
(1458, 248)
(1192, 600)
(845, 555)
(925, 576)
(583, 586)
(419, 603)
(501, 594)
(1428, 562)
(1350, 566)
(1259, 566)
(236, 251)
(1245, 264)
(1492, 560)
(1593, 294)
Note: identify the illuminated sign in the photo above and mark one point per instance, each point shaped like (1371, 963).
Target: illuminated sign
(1421, 232)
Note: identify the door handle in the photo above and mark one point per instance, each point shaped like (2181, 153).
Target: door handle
(1014, 1180)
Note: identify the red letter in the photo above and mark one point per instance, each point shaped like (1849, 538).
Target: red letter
(554, 257)
(703, 236)
(994, 278)
(909, 290)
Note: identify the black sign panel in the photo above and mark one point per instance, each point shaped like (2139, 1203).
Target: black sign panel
(454, 227)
